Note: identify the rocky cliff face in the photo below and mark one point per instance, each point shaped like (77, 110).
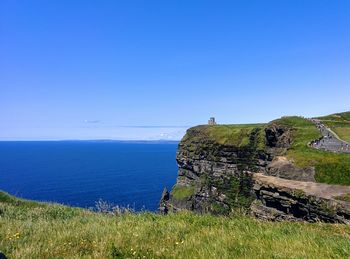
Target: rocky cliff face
(217, 174)
(280, 199)
(213, 177)
(278, 139)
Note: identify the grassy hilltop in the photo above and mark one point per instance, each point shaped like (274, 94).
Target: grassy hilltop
(41, 230)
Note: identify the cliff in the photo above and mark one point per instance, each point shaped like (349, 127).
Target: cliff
(224, 168)
(212, 168)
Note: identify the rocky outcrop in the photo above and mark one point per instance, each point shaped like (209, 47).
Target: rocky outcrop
(163, 204)
(279, 199)
(278, 139)
(281, 167)
(218, 175)
(278, 136)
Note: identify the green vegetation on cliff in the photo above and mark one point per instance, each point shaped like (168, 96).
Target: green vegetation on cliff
(229, 135)
(238, 193)
(39, 230)
(331, 168)
(339, 123)
(182, 192)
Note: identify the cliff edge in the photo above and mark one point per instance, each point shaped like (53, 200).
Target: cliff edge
(265, 169)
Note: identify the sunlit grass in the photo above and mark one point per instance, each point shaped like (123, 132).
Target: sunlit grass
(232, 135)
(182, 192)
(342, 129)
(54, 231)
(339, 123)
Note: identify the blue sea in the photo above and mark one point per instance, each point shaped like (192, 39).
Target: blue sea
(79, 173)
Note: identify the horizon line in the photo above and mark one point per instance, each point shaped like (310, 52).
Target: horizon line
(99, 140)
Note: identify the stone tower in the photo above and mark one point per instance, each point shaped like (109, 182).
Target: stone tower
(211, 121)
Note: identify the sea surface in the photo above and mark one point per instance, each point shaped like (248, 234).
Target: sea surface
(79, 173)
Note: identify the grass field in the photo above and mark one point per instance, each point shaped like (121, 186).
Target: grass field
(38, 230)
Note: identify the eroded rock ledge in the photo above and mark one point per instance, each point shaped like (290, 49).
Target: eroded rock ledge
(281, 199)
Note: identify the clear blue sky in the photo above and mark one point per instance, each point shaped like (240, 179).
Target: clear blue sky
(149, 69)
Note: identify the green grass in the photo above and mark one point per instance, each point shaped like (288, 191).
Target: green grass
(231, 135)
(53, 231)
(343, 116)
(295, 122)
(182, 192)
(343, 132)
(339, 123)
(331, 168)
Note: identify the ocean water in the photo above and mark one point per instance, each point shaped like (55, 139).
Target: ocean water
(79, 173)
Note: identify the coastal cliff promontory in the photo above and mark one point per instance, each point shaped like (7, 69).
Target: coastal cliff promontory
(269, 170)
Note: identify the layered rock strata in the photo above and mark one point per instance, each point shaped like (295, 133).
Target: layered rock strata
(280, 199)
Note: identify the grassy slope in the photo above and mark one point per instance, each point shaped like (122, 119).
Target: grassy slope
(339, 123)
(34, 230)
(330, 167)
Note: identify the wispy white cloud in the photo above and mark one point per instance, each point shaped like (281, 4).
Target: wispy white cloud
(151, 126)
(92, 121)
